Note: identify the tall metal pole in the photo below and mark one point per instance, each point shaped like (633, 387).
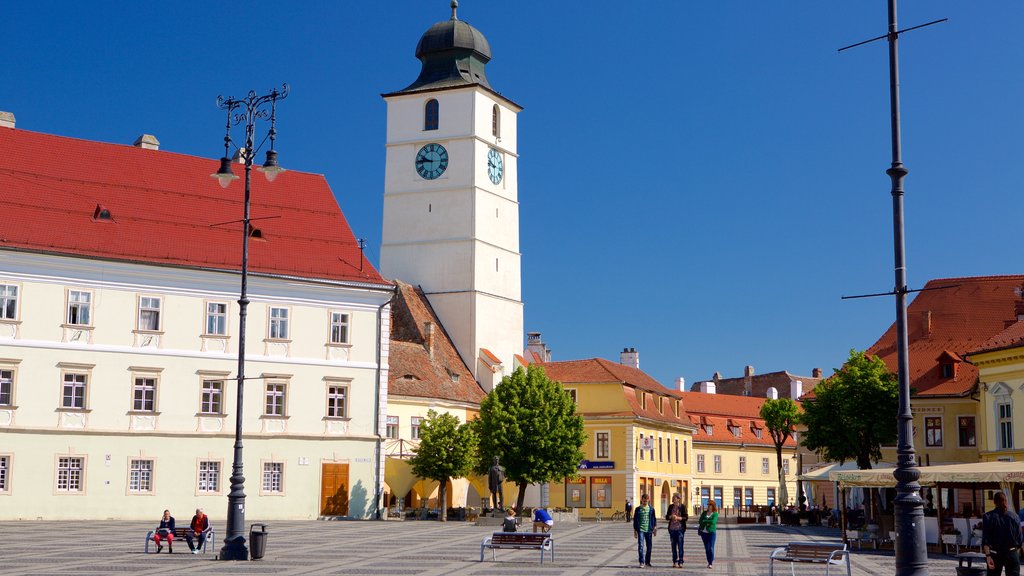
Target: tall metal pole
(235, 543)
(911, 551)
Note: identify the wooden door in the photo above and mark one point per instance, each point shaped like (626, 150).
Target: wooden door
(334, 490)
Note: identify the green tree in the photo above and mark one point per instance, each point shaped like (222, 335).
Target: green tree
(530, 422)
(447, 450)
(780, 417)
(853, 412)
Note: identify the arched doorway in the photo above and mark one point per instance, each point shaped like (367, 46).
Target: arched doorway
(666, 496)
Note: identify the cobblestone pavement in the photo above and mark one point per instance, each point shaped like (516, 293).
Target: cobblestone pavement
(411, 547)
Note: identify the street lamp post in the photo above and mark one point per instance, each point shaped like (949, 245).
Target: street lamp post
(246, 110)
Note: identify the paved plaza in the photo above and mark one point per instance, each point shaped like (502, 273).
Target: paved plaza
(411, 547)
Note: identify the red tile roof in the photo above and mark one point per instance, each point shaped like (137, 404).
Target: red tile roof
(1012, 337)
(760, 383)
(165, 209)
(412, 370)
(601, 371)
(723, 411)
(951, 321)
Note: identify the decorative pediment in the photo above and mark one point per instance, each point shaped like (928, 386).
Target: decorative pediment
(1000, 389)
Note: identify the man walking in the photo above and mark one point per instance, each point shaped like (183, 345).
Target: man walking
(629, 509)
(1001, 539)
(645, 527)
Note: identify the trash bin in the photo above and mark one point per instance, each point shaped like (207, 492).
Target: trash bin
(976, 565)
(257, 541)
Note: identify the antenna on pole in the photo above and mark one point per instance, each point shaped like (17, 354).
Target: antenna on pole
(362, 247)
(911, 548)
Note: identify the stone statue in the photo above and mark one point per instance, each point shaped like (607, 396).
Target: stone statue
(495, 478)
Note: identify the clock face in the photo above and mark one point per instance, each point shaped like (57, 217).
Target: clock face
(431, 161)
(495, 166)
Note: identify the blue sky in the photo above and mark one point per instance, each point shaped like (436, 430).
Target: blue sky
(700, 181)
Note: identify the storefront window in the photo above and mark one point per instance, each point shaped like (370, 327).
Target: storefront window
(601, 492)
(576, 493)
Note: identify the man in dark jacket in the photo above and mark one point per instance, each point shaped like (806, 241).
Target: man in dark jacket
(1001, 539)
(645, 527)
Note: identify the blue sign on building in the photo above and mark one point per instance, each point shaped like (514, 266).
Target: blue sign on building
(603, 465)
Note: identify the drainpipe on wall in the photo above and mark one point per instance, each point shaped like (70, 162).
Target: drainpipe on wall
(377, 456)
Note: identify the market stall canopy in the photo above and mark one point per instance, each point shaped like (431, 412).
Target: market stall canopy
(822, 474)
(398, 474)
(1002, 473)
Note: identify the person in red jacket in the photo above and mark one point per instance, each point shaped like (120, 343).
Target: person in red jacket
(198, 528)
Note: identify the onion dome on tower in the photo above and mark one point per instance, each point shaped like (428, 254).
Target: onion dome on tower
(453, 54)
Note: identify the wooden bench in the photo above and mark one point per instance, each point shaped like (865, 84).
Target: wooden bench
(519, 540)
(179, 536)
(827, 553)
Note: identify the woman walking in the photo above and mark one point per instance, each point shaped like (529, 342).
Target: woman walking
(677, 518)
(707, 527)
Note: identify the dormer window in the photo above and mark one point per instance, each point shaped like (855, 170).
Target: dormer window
(102, 214)
(709, 429)
(431, 115)
(948, 370)
(948, 362)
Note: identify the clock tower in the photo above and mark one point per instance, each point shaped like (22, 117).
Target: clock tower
(451, 210)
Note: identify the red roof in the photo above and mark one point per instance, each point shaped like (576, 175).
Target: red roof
(742, 413)
(165, 209)
(1012, 337)
(601, 371)
(944, 325)
(413, 369)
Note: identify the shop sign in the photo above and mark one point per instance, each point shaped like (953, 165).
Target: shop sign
(601, 465)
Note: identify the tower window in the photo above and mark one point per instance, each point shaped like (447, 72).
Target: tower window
(496, 121)
(430, 115)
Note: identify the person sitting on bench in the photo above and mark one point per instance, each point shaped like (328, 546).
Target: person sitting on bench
(200, 523)
(165, 530)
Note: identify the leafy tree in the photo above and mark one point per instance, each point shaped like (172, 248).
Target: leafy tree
(853, 412)
(447, 450)
(780, 416)
(530, 422)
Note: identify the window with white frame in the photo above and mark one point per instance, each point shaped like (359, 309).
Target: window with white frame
(140, 478)
(73, 391)
(718, 463)
(149, 313)
(273, 477)
(933, 431)
(216, 319)
(144, 394)
(602, 444)
(641, 446)
(79, 308)
(764, 466)
(5, 473)
(69, 473)
(212, 399)
(785, 466)
(275, 399)
(572, 394)
(414, 427)
(279, 323)
(391, 427)
(700, 462)
(743, 464)
(209, 477)
(337, 406)
(339, 328)
(1004, 415)
(6, 387)
(8, 302)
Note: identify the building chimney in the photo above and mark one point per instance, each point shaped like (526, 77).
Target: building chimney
(796, 389)
(816, 372)
(630, 357)
(926, 322)
(748, 381)
(147, 141)
(537, 347)
(6, 120)
(773, 393)
(428, 335)
(706, 387)
(681, 384)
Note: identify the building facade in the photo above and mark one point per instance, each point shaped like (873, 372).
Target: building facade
(1000, 363)
(119, 334)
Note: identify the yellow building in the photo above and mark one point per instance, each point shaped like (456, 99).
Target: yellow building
(735, 461)
(1000, 363)
(639, 438)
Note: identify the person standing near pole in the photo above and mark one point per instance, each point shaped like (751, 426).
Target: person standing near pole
(645, 527)
(1001, 539)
